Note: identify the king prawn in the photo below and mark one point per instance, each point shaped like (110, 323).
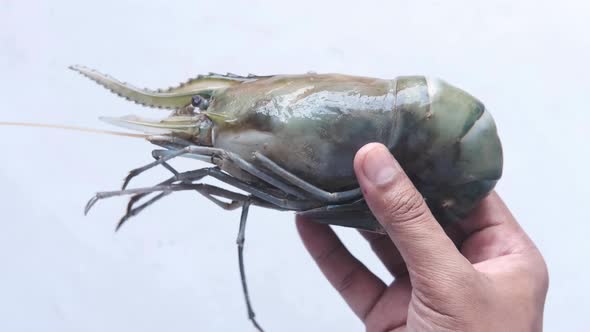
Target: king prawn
(287, 142)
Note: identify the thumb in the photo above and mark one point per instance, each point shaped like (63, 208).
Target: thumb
(403, 213)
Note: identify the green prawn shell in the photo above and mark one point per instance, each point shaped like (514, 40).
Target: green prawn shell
(312, 125)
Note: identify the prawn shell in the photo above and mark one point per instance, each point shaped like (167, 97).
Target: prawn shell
(312, 125)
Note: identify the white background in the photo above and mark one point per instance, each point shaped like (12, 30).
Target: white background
(174, 267)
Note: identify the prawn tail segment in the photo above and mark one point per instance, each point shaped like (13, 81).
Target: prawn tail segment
(171, 98)
(448, 144)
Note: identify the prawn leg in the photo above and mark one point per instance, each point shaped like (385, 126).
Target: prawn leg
(273, 201)
(212, 153)
(356, 215)
(177, 176)
(242, 200)
(317, 193)
(240, 242)
(208, 191)
(234, 204)
(310, 191)
(131, 211)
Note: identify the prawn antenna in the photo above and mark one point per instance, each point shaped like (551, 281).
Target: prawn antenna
(75, 128)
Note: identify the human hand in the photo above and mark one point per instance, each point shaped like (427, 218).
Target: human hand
(496, 281)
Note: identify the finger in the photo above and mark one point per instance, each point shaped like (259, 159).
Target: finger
(401, 210)
(492, 231)
(359, 287)
(391, 311)
(491, 211)
(496, 235)
(387, 252)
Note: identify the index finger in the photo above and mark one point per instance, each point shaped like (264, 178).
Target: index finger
(492, 231)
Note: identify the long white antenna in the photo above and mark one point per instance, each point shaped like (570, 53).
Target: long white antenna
(82, 129)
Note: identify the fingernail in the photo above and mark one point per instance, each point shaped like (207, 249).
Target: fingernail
(379, 166)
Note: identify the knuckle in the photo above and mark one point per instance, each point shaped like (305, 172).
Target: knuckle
(438, 284)
(347, 280)
(537, 276)
(405, 204)
(543, 277)
(329, 253)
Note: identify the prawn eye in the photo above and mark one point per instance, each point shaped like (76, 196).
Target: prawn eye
(199, 102)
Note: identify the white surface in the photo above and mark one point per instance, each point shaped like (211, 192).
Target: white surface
(174, 267)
